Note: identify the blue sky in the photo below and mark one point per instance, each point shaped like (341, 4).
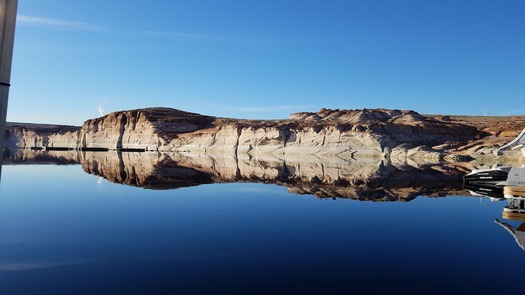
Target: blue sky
(265, 59)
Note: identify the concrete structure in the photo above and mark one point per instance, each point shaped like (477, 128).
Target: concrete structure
(7, 36)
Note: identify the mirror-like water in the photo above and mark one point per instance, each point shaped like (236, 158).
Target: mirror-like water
(65, 231)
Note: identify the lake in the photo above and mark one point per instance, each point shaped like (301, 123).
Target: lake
(135, 223)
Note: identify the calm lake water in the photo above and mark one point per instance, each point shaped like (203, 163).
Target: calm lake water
(64, 231)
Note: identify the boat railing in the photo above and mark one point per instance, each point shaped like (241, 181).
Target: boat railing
(518, 142)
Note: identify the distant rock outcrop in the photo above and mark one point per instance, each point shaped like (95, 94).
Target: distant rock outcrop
(395, 135)
(27, 135)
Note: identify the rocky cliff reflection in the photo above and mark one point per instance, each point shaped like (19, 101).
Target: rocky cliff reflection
(364, 179)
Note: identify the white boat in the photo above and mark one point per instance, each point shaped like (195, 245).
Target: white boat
(496, 182)
(493, 175)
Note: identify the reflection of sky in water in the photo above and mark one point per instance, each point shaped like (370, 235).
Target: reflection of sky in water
(63, 232)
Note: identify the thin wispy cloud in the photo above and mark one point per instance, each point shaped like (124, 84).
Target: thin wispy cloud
(189, 35)
(75, 25)
(205, 37)
(54, 23)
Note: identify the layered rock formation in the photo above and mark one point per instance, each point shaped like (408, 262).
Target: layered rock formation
(393, 135)
(347, 134)
(27, 135)
(147, 129)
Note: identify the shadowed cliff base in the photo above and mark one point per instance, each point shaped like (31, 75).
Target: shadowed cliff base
(324, 177)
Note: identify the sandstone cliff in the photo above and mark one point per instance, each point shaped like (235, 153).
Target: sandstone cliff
(147, 129)
(394, 135)
(27, 135)
(347, 134)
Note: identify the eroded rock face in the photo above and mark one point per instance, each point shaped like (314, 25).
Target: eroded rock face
(24, 135)
(147, 129)
(347, 134)
(394, 135)
(119, 130)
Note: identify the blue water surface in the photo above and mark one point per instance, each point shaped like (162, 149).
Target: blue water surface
(63, 231)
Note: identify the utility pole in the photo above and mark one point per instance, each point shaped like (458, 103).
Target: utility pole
(7, 36)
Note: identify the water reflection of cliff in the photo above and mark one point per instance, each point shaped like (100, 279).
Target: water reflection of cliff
(28, 156)
(365, 179)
